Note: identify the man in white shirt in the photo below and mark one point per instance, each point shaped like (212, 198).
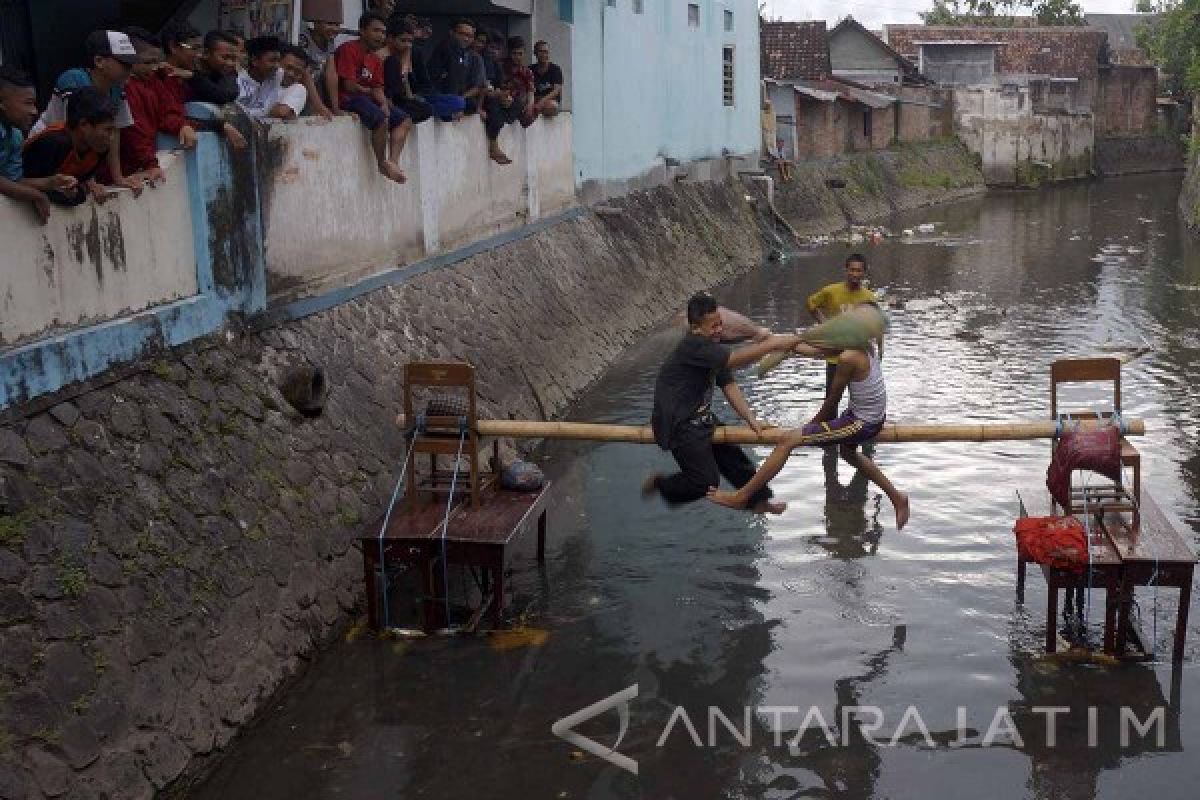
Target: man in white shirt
(272, 87)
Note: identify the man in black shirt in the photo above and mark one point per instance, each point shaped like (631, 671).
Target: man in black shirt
(452, 66)
(215, 78)
(683, 419)
(547, 82)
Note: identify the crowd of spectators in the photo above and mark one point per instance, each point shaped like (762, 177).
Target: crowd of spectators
(98, 133)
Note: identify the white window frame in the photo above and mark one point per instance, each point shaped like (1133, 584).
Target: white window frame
(728, 75)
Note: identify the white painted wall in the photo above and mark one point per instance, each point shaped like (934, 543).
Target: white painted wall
(331, 218)
(1001, 127)
(95, 262)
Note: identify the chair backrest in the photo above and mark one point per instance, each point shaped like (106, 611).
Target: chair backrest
(438, 374)
(1085, 370)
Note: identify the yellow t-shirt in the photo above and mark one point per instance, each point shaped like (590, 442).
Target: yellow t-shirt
(836, 298)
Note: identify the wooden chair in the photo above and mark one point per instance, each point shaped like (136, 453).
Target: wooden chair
(443, 435)
(1099, 370)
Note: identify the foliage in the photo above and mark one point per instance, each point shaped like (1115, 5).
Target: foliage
(1173, 43)
(1002, 13)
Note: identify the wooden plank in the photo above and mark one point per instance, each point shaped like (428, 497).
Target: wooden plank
(501, 516)
(1156, 539)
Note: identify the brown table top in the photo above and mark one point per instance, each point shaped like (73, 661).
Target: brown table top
(1156, 539)
(1039, 504)
(500, 517)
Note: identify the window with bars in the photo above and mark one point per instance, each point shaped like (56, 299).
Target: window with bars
(638, 6)
(693, 15)
(728, 20)
(727, 75)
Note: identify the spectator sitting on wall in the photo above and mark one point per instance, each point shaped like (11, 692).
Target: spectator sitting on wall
(770, 139)
(155, 110)
(319, 43)
(214, 79)
(360, 75)
(481, 46)
(262, 92)
(512, 101)
(183, 46)
(547, 80)
(452, 68)
(76, 148)
(112, 57)
(446, 107)
(399, 71)
(18, 112)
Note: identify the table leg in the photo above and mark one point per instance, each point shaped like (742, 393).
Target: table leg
(369, 550)
(429, 609)
(1181, 619)
(498, 594)
(1051, 615)
(541, 543)
(1124, 598)
(1112, 588)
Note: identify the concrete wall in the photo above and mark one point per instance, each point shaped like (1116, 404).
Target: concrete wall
(648, 88)
(929, 114)
(1126, 101)
(331, 218)
(783, 101)
(1018, 147)
(958, 65)
(859, 58)
(92, 263)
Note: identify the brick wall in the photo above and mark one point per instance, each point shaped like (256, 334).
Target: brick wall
(1125, 104)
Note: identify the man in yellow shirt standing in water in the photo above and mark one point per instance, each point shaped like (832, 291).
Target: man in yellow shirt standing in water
(835, 298)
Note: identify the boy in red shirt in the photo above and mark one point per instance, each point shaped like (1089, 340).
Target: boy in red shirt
(360, 85)
(155, 108)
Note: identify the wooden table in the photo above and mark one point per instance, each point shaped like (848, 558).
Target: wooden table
(473, 537)
(1153, 553)
(1105, 574)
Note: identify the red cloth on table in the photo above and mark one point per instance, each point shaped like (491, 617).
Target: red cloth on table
(1058, 542)
(1098, 450)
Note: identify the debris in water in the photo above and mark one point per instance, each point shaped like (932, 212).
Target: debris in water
(926, 227)
(518, 637)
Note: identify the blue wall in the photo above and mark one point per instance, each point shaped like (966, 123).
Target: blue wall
(648, 86)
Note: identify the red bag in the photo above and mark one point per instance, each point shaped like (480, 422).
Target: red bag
(1098, 450)
(1058, 542)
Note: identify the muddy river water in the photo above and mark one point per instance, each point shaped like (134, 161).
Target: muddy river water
(868, 662)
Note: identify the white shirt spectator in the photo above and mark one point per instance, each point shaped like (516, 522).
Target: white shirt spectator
(257, 99)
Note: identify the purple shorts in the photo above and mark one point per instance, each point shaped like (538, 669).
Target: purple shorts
(846, 429)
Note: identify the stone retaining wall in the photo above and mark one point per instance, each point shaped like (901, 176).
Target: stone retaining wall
(174, 546)
(1131, 155)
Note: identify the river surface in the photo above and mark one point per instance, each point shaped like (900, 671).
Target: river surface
(828, 606)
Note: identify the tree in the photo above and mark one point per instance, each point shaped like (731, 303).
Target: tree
(1002, 13)
(1173, 43)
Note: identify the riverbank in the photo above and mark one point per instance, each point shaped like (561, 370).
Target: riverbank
(1189, 198)
(831, 194)
(174, 546)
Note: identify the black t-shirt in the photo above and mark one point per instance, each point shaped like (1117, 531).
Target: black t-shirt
(208, 87)
(683, 392)
(544, 83)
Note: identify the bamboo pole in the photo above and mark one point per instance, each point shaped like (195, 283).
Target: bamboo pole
(641, 434)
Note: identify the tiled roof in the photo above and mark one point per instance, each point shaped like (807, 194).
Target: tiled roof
(795, 50)
(1059, 52)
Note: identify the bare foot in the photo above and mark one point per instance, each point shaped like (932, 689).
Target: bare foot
(499, 157)
(902, 511)
(727, 499)
(393, 173)
(769, 507)
(650, 485)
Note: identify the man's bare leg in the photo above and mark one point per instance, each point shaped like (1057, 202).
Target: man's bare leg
(396, 141)
(769, 469)
(875, 475)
